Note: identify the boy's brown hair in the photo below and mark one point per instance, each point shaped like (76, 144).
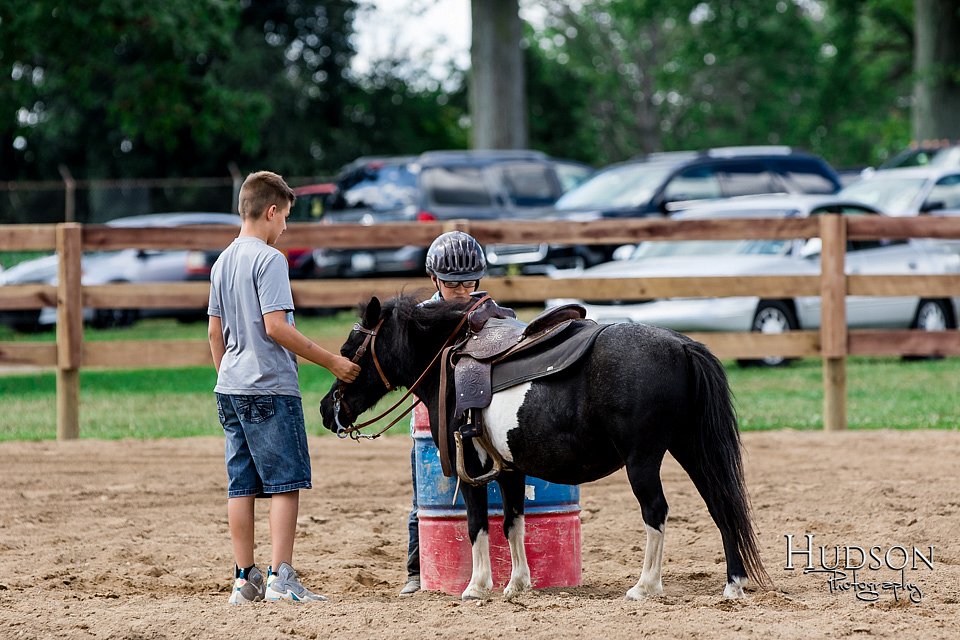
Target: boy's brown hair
(260, 190)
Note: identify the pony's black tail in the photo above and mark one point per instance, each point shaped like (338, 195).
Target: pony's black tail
(711, 455)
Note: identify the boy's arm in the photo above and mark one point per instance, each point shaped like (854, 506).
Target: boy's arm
(215, 336)
(287, 336)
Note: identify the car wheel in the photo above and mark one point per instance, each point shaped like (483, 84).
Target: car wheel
(932, 315)
(772, 316)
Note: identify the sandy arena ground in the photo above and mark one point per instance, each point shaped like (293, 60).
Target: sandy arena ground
(129, 540)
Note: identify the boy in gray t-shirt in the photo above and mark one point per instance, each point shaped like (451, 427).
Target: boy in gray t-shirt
(255, 347)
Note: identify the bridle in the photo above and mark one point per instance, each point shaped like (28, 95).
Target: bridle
(370, 340)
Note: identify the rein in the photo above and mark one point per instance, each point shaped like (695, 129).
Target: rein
(371, 339)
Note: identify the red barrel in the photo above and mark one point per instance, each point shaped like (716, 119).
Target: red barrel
(552, 536)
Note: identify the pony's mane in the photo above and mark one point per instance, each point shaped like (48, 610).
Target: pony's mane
(411, 315)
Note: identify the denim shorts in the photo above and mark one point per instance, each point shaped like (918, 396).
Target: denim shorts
(266, 444)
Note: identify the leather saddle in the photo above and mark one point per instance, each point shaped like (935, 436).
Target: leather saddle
(503, 352)
(500, 352)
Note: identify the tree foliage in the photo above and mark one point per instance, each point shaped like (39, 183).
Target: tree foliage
(122, 88)
(830, 76)
(119, 88)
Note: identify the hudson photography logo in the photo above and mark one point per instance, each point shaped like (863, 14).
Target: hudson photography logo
(862, 572)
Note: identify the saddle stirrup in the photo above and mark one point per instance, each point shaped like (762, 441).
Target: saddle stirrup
(461, 467)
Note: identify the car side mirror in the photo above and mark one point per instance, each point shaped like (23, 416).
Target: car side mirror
(932, 205)
(624, 251)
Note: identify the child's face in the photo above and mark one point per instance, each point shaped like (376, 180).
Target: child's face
(276, 222)
(459, 293)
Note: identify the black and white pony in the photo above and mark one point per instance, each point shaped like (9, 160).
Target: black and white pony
(640, 392)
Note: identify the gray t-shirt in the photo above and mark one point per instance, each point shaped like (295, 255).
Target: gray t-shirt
(249, 279)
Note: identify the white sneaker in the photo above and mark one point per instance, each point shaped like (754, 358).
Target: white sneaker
(285, 585)
(412, 586)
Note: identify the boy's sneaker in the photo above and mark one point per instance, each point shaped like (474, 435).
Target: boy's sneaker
(285, 585)
(248, 587)
(412, 586)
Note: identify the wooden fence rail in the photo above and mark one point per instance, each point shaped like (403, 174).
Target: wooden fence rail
(833, 342)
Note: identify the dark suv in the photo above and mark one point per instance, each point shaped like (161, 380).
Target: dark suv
(436, 185)
(661, 183)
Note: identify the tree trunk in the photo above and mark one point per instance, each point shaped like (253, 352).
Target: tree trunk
(936, 65)
(498, 105)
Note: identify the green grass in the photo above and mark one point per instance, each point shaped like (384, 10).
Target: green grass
(314, 326)
(11, 258)
(882, 392)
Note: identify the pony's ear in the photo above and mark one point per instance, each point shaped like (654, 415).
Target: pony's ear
(371, 315)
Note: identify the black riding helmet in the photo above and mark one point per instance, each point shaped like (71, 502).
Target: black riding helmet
(456, 256)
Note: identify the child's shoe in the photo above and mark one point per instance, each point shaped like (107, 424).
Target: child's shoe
(412, 586)
(248, 587)
(285, 585)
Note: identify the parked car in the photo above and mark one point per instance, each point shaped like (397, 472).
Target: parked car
(775, 257)
(309, 207)
(933, 153)
(436, 185)
(124, 266)
(662, 183)
(311, 202)
(909, 191)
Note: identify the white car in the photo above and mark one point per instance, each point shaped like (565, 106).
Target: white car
(909, 191)
(774, 257)
(124, 266)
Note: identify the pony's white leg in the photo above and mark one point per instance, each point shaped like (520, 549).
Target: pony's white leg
(481, 580)
(650, 583)
(520, 574)
(734, 588)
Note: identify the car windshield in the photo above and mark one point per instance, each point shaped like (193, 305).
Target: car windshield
(672, 249)
(456, 187)
(529, 184)
(937, 157)
(890, 195)
(379, 188)
(629, 185)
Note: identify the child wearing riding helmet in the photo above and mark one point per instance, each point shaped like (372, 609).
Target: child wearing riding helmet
(455, 263)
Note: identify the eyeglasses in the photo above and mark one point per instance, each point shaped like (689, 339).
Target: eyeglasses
(466, 284)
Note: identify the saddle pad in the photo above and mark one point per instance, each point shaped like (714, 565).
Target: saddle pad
(552, 359)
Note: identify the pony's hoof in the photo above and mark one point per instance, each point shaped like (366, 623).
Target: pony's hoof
(515, 588)
(473, 593)
(641, 591)
(734, 589)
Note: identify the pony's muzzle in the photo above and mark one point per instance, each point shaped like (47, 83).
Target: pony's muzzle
(328, 411)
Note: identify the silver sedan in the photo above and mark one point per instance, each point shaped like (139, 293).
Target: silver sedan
(124, 266)
(775, 257)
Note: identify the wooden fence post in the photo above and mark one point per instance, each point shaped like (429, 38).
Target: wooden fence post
(833, 321)
(69, 194)
(69, 330)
